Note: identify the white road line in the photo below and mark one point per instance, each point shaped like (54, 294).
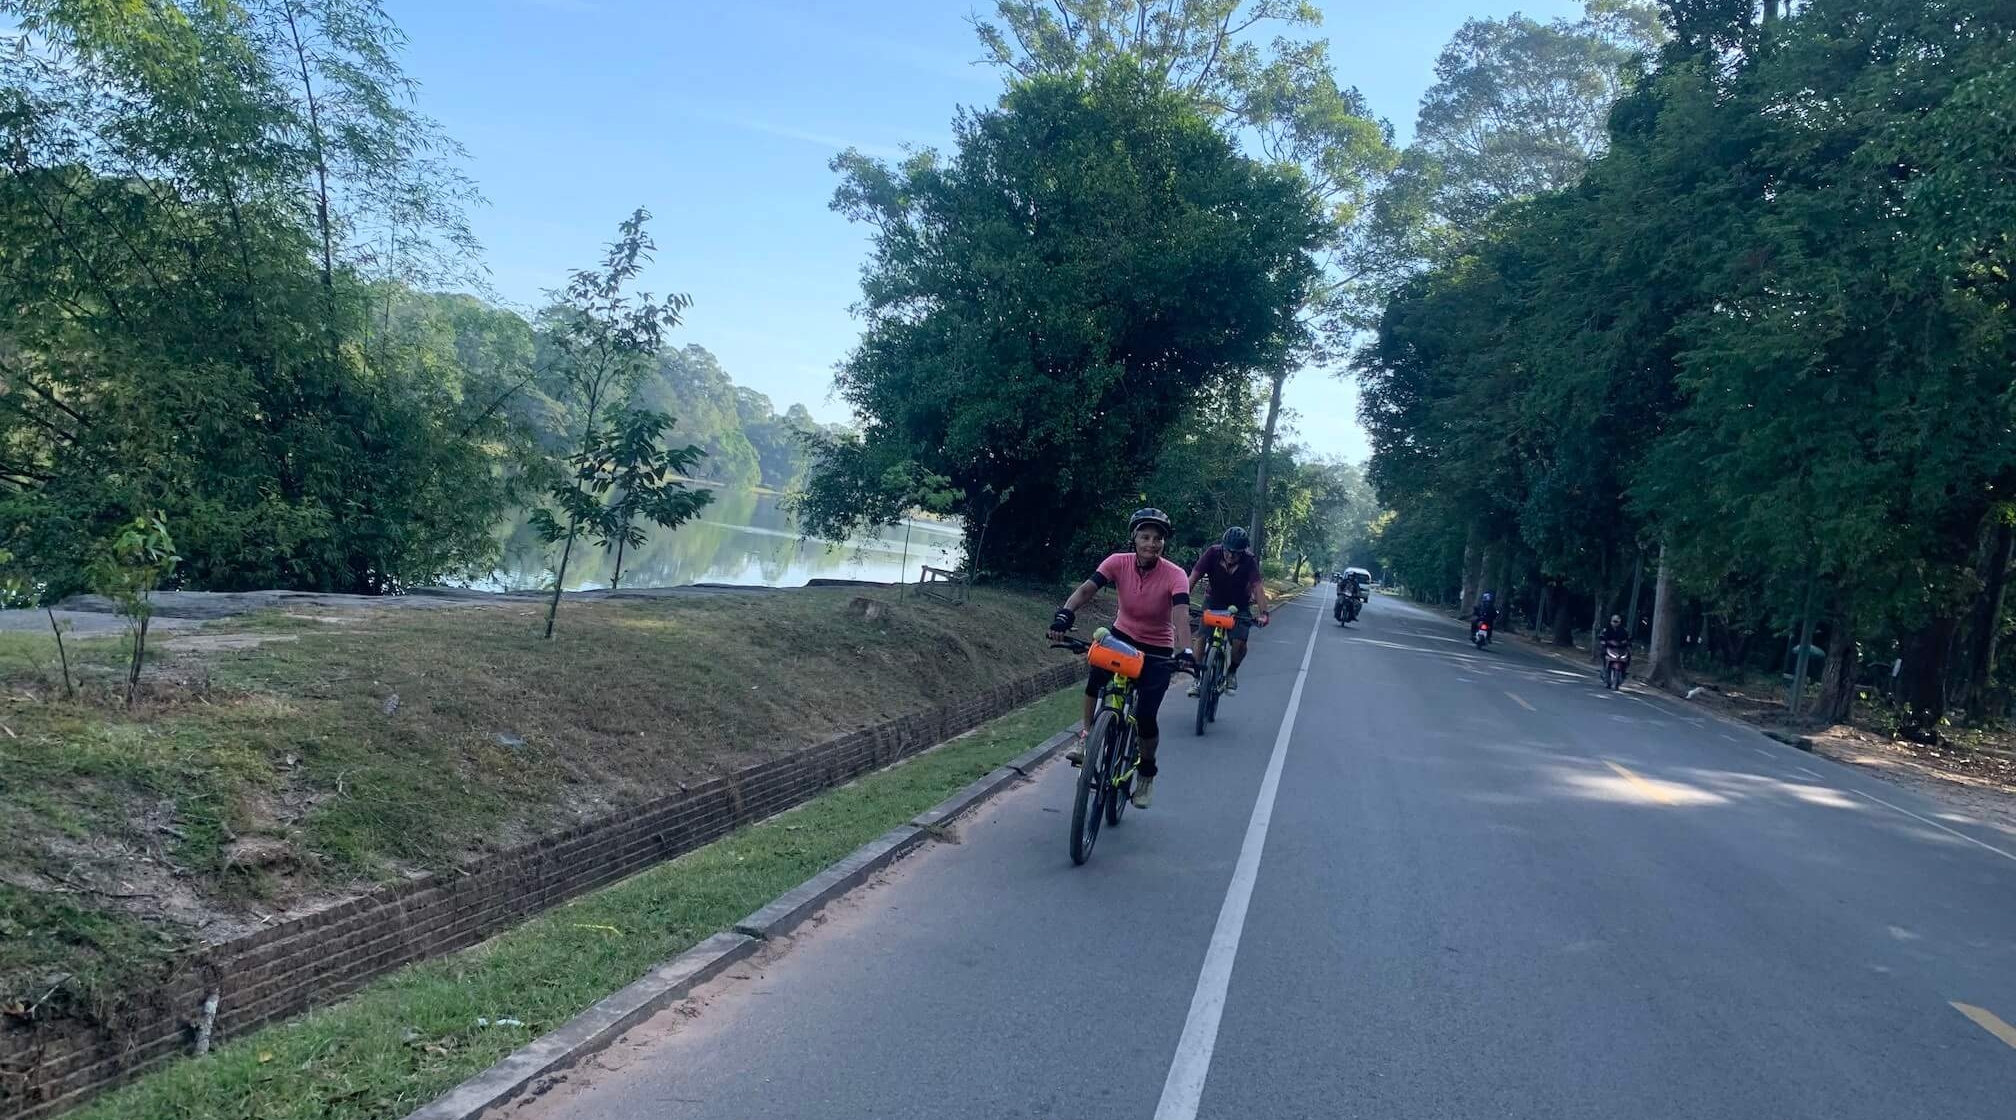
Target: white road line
(1934, 824)
(1765, 753)
(1184, 1087)
(1809, 773)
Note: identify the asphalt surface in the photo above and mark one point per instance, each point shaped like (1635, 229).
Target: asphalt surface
(1482, 887)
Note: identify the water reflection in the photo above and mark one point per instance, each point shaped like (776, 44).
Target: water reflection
(741, 538)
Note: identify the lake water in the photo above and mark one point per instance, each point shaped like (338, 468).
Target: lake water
(740, 538)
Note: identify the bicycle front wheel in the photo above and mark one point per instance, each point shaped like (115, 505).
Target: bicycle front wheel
(1207, 690)
(1220, 668)
(1120, 771)
(1094, 787)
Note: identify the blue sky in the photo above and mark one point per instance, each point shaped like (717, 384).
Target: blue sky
(720, 119)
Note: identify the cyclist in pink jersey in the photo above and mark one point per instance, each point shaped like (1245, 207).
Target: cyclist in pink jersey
(1154, 615)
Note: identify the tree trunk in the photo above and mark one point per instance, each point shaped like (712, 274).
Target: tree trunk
(1662, 669)
(1540, 609)
(1258, 531)
(1637, 585)
(1837, 680)
(1473, 570)
(1735, 646)
(1984, 629)
(560, 578)
(1795, 697)
(1923, 687)
(139, 655)
(1501, 585)
(1487, 579)
(62, 654)
(616, 578)
(1599, 600)
(322, 219)
(1564, 618)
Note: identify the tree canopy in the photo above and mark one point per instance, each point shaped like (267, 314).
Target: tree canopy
(1043, 305)
(1767, 335)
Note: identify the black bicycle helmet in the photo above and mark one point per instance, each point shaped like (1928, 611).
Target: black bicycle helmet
(1236, 540)
(1149, 515)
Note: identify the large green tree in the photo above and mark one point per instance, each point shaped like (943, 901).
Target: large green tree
(195, 328)
(1045, 303)
(1518, 107)
(1281, 96)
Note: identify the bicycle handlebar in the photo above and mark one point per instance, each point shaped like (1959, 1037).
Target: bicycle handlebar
(1260, 619)
(1080, 645)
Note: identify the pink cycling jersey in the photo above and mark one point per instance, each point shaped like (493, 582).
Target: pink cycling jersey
(1146, 598)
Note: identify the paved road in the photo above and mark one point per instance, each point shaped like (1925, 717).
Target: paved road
(1421, 882)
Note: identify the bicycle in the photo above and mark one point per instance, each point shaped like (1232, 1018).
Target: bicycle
(1217, 662)
(1106, 777)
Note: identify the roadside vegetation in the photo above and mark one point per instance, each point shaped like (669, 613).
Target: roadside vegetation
(414, 1034)
(279, 762)
(1735, 364)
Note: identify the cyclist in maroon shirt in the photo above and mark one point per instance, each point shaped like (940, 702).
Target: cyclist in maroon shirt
(1235, 581)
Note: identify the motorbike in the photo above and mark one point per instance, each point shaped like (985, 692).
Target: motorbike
(1347, 608)
(1480, 634)
(1616, 664)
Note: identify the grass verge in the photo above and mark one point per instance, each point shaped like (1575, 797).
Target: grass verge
(276, 761)
(413, 1035)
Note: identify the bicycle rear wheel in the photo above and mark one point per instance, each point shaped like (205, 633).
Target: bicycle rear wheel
(1094, 787)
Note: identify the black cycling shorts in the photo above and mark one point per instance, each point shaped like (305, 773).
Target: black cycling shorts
(1153, 683)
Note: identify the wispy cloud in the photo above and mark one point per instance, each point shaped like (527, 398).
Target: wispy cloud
(928, 60)
(802, 135)
(916, 56)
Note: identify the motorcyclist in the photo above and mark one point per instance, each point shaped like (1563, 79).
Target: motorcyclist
(1614, 638)
(1614, 634)
(1485, 614)
(1349, 595)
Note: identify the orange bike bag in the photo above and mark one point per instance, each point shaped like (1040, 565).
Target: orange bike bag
(1117, 657)
(1220, 620)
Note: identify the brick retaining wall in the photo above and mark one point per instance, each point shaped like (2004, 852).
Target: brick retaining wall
(312, 961)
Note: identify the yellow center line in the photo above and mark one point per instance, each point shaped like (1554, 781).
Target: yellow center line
(1522, 703)
(1988, 1021)
(1657, 793)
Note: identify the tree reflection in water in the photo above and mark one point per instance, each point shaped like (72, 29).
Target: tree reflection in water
(742, 538)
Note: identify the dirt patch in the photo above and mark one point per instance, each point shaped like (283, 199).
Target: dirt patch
(1973, 774)
(217, 643)
(1979, 783)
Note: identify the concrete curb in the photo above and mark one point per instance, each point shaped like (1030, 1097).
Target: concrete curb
(1016, 769)
(590, 1031)
(1802, 742)
(594, 1029)
(787, 910)
(1027, 762)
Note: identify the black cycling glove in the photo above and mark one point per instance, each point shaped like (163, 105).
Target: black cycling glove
(1063, 620)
